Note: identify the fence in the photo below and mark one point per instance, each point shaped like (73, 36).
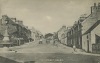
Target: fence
(96, 48)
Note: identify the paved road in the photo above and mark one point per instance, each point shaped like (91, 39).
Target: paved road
(53, 57)
(42, 48)
(43, 53)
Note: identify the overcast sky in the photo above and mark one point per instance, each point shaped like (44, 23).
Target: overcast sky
(47, 15)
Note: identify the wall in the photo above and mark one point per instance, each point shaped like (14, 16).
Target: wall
(93, 32)
(98, 15)
(84, 42)
(66, 41)
(87, 24)
(85, 45)
(74, 35)
(61, 34)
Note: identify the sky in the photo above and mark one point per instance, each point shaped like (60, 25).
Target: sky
(46, 16)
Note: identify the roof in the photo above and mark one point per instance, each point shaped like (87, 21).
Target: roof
(92, 27)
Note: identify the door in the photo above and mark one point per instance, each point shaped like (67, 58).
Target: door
(87, 45)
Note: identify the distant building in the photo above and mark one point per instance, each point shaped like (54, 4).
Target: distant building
(65, 37)
(36, 35)
(55, 35)
(69, 37)
(61, 34)
(33, 34)
(49, 38)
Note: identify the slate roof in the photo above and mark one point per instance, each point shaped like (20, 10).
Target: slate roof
(92, 27)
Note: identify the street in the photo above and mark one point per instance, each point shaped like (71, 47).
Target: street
(42, 48)
(49, 53)
(49, 31)
(52, 57)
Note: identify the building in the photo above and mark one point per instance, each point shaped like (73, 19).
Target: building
(65, 37)
(74, 33)
(33, 34)
(55, 36)
(18, 33)
(69, 37)
(85, 33)
(49, 38)
(61, 34)
(90, 29)
(36, 35)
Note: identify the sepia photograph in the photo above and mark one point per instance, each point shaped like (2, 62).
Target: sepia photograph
(49, 31)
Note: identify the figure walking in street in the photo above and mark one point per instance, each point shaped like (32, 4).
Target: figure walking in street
(54, 43)
(74, 48)
(40, 42)
(15, 51)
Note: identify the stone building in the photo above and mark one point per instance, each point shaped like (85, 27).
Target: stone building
(74, 34)
(33, 34)
(49, 38)
(18, 33)
(85, 32)
(90, 29)
(61, 34)
(69, 42)
(36, 35)
(65, 37)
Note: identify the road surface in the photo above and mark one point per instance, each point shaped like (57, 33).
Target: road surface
(49, 53)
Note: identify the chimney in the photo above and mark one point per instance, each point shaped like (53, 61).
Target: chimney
(26, 27)
(98, 6)
(93, 8)
(94, 4)
(4, 19)
(13, 19)
(16, 21)
(63, 26)
(68, 27)
(82, 17)
(19, 22)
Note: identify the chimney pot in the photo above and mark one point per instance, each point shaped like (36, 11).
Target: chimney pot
(94, 4)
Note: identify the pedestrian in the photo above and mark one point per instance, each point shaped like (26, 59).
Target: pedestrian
(74, 48)
(15, 51)
(54, 43)
(40, 42)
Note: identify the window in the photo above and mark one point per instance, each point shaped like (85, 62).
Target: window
(71, 32)
(87, 36)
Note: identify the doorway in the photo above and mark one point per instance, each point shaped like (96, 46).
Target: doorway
(88, 46)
